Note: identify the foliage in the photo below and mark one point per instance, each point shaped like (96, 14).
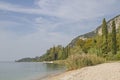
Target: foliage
(56, 53)
(88, 44)
(117, 56)
(82, 60)
(80, 43)
(104, 37)
(114, 42)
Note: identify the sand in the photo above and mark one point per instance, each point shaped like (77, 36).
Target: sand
(106, 71)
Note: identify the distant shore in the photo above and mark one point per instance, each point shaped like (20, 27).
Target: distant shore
(106, 71)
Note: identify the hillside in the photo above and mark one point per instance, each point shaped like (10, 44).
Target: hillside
(97, 31)
(91, 43)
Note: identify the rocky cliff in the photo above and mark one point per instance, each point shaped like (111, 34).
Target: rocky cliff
(98, 30)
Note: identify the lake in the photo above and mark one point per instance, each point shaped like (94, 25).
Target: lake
(28, 71)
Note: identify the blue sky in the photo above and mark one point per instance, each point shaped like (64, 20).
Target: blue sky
(29, 27)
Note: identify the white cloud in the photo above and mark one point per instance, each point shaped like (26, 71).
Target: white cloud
(77, 9)
(66, 9)
(20, 9)
(56, 20)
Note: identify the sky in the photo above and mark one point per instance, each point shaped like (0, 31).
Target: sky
(29, 27)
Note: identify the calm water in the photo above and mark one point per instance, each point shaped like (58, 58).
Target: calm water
(27, 71)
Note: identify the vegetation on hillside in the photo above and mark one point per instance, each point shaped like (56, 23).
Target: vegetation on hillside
(90, 51)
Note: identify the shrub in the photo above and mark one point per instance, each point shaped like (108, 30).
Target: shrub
(112, 57)
(82, 60)
(117, 56)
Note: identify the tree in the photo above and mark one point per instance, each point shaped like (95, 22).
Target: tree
(67, 51)
(87, 45)
(55, 56)
(54, 49)
(119, 29)
(104, 37)
(114, 41)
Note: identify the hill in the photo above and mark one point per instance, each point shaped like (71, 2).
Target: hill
(97, 31)
(91, 43)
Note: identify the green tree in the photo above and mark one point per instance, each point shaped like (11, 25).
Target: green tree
(114, 41)
(80, 43)
(64, 54)
(119, 29)
(67, 51)
(104, 37)
(87, 45)
(54, 49)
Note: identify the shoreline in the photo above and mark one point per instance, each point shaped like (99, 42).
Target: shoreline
(47, 77)
(105, 71)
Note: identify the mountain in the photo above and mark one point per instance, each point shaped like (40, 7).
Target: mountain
(97, 31)
(60, 53)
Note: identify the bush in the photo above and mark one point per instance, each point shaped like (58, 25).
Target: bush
(82, 60)
(117, 56)
(112, 57)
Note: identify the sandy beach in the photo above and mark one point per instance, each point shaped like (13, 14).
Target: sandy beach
(106, 71)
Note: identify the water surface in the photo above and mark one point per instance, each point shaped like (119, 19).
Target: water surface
(27, 71)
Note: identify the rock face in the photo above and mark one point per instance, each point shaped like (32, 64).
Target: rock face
(109, 24)
(98, 30)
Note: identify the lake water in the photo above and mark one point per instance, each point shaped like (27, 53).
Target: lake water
(27, 71)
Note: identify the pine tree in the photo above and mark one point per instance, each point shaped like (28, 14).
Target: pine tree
(114, 41)
(64, 53)
(55, 55)
(105, 37)
(54, 49)
(119, 30)
(67, 51)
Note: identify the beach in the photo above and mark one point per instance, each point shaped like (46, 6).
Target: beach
(106, 71)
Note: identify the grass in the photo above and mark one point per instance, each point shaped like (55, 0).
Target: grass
(82, 60)
(77, 61)
(62, 62)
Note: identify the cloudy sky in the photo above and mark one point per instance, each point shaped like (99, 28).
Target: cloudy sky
(29, 27)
